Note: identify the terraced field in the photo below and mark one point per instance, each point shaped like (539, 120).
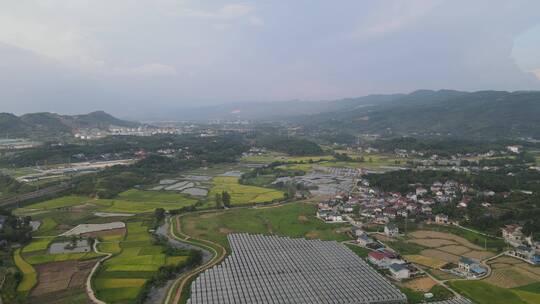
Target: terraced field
(135, 261)
(241, 194)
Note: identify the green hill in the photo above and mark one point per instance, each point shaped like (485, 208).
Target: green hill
(52, 124)
(483, 114)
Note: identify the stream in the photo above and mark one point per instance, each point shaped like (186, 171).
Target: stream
(158, 294)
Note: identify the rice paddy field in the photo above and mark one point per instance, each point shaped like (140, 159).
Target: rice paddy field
(242, 194)
(294, 220)
(482, 292)
(275, 156)
(135, 260)
(29, 273)
(436, 249)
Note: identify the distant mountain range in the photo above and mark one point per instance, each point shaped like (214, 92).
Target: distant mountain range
(52, 124)
(424, 113)
(485, 114)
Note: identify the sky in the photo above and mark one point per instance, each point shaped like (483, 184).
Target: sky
(131, 57)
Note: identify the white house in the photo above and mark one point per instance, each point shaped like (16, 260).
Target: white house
(364, 240)
(399, 271)
(391, 230)
(441, 219)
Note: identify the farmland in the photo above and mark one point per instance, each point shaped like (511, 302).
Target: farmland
(242, 194)
(270, 157)
(484, 293)
(135, 195)
(29, 273)
(295, 220)
(135, 260)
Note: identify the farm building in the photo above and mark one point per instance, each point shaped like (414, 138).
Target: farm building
(471, 268)
(271, 269)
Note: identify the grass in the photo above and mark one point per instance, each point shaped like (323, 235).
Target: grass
(485, 293)
(135, 195)
(360, 251)
(241, 194)
(61, 202)
(123, 206)
(118, 283)
(294, 220)
(112, 247)
(38, 244)
(300, 167)
(29, 273)
(405, 248)
(47, 224)
(534, 287)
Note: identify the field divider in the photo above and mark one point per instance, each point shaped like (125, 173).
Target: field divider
(89, 290)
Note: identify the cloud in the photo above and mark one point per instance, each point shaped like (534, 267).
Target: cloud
(398, 15)
(256, 21)
(148, 70)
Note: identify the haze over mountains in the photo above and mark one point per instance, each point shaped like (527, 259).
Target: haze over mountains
(423, 112)
(51, 123)
(485, 114)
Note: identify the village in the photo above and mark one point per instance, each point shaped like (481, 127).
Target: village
(375, 215)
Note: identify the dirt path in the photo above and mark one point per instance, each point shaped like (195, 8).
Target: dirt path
(175, 293)
(89, 291)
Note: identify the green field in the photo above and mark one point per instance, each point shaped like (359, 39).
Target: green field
(38, 244)
(484, 293)
(136, 260)
(47, 225)
(294, 220)
(275, 156)
(135, 195)
(29, 273)
(62, 202)
(122, 206)
(242, 194)
(59, 257)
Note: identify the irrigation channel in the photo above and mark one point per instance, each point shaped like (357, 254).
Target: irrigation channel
(159, 294)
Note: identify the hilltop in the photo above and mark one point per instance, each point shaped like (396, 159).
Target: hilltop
(52, 124)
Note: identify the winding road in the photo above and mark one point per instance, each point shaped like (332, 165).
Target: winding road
(219, 253)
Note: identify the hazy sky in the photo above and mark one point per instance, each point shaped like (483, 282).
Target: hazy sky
(130, 56)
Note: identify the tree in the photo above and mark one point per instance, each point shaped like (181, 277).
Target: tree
(219, 201)
(159, 214)
(226, 197)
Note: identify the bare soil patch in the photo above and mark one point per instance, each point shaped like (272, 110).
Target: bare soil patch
(441, 255)
(432, 243)
(118, 231)
(479, 255)
(302, 218)
(224, 230)
(426, 234)
(59, 276)
(423, 284)
(455, 249)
